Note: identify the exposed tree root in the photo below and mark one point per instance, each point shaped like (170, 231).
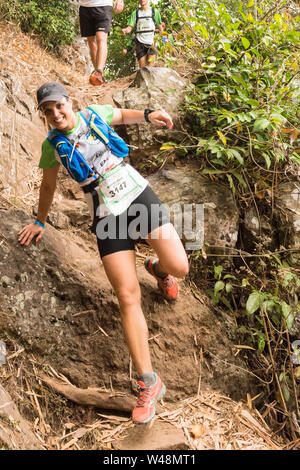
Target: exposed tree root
(92, 396)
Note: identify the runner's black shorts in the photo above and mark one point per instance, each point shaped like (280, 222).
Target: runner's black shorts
(93, 19)
(143, 49)
(119, 233)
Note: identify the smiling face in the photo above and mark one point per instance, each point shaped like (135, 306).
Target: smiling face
(59, 114)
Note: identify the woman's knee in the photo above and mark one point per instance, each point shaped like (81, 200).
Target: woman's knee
(182, 269)
(177, 267)
(129, 296)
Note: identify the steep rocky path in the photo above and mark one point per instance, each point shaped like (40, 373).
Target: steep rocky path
(59, 317)
(55, 297)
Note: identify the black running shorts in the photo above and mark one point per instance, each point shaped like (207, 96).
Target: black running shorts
(118, 233)
(93, 19)
(143, 49)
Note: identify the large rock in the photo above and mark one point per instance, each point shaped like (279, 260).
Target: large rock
(265, 227)
(153, 88)
(154, 436)
(288, 202)
(15, 431)
(77, 55)
(179, 187)
(278, 230)
(17, 97)
(64, 212)
(21, 132)
(20, 152)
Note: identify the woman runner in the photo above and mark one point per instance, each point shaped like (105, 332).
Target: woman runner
(115, 193)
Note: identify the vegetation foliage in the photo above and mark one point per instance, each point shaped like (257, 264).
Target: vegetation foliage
(119, 65)
(243, 106)
(55, 21)
(241, 117)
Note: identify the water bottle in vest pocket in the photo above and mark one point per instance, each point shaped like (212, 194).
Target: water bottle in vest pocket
(70, 157)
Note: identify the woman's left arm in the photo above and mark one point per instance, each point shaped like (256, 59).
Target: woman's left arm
(134, 116)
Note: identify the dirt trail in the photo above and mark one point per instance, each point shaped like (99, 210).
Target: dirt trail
(60, 279)
(25, 59)
(59, 313)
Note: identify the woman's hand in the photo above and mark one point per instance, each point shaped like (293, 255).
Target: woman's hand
(161, 118)
(29, 232)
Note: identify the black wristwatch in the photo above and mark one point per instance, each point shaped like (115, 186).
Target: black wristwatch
(146, 114)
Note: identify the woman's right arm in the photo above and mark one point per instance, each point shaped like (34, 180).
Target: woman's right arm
(47, 190)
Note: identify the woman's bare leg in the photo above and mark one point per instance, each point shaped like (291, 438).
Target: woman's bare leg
(170, 251)
(142, 62)
(120, 269)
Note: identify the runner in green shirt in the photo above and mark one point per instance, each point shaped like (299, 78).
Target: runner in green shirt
(117, 196)
(144, 21)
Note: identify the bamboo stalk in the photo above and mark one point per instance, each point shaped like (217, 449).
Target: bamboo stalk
(292, 372)
(264, 315)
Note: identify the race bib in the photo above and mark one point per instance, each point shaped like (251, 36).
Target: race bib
(119, 189)
(145, 24)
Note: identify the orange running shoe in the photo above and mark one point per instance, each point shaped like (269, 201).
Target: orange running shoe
(148, 396)
(96, 78)
(167, 284)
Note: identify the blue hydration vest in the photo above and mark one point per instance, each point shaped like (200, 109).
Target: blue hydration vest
(70, 156)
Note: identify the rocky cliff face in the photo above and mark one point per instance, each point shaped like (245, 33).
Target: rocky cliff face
(22, 133)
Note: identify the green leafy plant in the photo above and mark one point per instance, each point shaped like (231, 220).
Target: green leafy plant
(54, 21)
(282, 304)
(241, 110)
(241, 118)
(222, 288)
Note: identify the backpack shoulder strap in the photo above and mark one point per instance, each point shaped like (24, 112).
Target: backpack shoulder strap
(55, 138)
(86, 114)
(93, 114)
(136, 17)
(92, 111)
(96, 128)
(50, 135)
(152, 15)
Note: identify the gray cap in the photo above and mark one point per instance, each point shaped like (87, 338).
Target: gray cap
(51, 91)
